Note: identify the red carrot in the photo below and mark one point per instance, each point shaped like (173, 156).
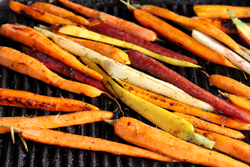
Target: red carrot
(107, 30)
(157, 69)
(62, 68)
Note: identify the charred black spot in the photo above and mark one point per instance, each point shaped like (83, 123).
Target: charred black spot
(23, 12)
(228, 24)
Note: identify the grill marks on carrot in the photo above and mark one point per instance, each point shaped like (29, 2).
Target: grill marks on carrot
(25, 99)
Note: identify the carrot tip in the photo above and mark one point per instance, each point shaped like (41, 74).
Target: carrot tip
(111, 122)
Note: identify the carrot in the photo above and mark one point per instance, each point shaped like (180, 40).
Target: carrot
(198, 123)
(229, 84)
(174, 105)
(104, 49)
(62, 68)
(233, 147)
(107, 30)
(157, 69)
(180, 38)
(55, 10)
(192, 23)
(23, 99)
(113, 21)
(54, 121)
(82, 32)
(164, 119)
(224, 25)
(37, 14)
(36, 40)
(25, 64)
(220, 11)
(63, 139)
(239, 101)
(143, 135)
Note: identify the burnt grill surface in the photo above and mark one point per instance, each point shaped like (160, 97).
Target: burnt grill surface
(41, 155)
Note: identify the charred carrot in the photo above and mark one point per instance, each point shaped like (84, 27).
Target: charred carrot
(58, 11)
(198, 123)
(239, 101)
(62, 68)
(37, 14)
(192, 23)
(25, 64)
(36, 40)
(104, 49)
(23, 99)
(174, 105)
(224, 25)
(180, 38)
(154, 139)
(107, 30)
(229, 84)
(233, 147)
(113, 21)
(55, 121)
(63, 139)
(220, 11)
(157, 69)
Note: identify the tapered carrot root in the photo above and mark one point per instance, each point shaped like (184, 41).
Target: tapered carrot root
(25, 64)
(154, 139)
(180, 38)
(220, 11)
(174, 105)
(113, 21)
(157, 69)
(229, 84)
(198, 123)
(239, 101)
(233, 147)
(195, 24)
(55, 121)
(104, 49)
(36, 40)
(18, 98)
(87, 143)
(55, 10)
(107, 30)
(36, 14)
(62, 68)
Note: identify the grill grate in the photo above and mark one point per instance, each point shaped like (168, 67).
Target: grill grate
(46, 155)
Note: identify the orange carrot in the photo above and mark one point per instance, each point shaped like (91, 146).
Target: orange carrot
(36, 14)
(198, 123)
(239, 101)
(180, 38)
(104, 49)
(220, 11)
(224, 25)
(55, 121)
(229, 84)
(55, 10)
(25, 64)
(62, 139)
(113, 21)
(233, 147)
(36, 40)
(159, 141)
(174, 105)
(18, 98)
(192, 23)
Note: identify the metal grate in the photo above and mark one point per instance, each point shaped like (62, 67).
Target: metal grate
(46, 155)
